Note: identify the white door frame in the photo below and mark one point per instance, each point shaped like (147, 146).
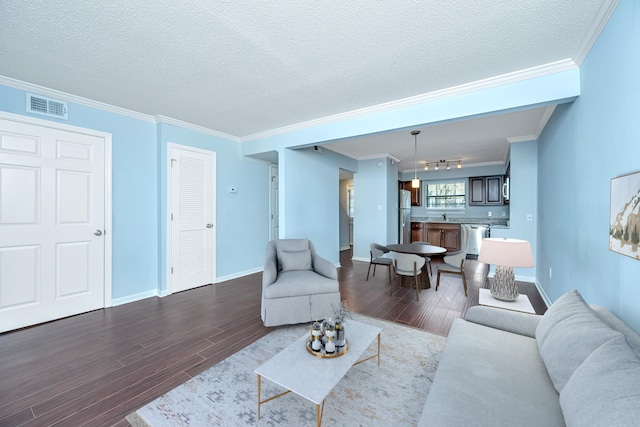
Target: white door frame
(273, 201)
(171, 145)
(108, 230)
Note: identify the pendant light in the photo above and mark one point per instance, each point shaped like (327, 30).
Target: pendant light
(415, 182)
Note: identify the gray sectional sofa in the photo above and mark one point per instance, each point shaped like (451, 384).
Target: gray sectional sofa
(576, 365)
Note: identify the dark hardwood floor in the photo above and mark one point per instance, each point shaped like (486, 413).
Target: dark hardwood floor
(95, 368)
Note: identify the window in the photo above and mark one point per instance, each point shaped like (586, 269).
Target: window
(448, 195)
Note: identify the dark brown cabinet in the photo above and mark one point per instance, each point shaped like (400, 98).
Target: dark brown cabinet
(485, 190)
(417, 229)
(438, 234)
(416, 194)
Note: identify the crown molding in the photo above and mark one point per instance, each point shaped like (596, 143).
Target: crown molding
(186, 125)
(53, 93)
(367, 157)
(544, 119)
(523, 138)
(599, 22)
(517, 76)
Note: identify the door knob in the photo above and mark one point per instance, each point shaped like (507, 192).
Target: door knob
(98, 232)
(209, 225)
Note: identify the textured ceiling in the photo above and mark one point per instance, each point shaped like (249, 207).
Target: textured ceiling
(243, 70)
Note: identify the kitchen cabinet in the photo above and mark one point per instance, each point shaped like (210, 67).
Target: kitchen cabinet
(417, 230)
(485, 190)
(437, 233)
(416, 194)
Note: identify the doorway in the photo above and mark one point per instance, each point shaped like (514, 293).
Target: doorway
(274, 217)
(192, 219)
(347, 209)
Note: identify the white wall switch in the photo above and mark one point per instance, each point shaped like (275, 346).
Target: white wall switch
(490, 213)
(504, 214)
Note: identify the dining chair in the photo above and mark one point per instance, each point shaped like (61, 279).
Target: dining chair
(408, 265)
(379, 256)
(453, 264)
(426, 258)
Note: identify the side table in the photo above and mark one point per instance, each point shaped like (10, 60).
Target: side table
(522, 303)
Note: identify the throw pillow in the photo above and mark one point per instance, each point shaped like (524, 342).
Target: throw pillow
(567, 334)
(298, 260)
(604, 390)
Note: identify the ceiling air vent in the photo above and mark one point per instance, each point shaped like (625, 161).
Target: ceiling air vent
(46, 106)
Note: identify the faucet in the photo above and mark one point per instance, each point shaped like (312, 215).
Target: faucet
(444, 216)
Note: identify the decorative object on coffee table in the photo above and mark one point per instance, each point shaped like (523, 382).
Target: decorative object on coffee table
(340, 314)
(505, 254)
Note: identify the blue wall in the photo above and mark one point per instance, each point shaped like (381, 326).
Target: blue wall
(523, 201)
(371, 216)
(242, 218)
(309, 197)
(584, 145)
(134, 190)
(139, 197)
(539, 91)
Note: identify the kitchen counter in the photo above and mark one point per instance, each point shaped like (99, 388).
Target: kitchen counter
(499, 222)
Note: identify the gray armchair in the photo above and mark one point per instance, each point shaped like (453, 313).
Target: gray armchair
(297, 284)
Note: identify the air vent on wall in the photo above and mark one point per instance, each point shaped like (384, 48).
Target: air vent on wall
(46, 106)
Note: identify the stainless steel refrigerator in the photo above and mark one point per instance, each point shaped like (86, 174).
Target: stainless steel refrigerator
(405, 216)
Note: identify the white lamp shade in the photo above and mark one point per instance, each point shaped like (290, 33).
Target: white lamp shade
(415, 183)
(506, 252)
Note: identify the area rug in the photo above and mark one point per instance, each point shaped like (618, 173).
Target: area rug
(226, 394)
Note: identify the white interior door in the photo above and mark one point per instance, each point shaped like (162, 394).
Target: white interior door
(52, 224)
(192, 217)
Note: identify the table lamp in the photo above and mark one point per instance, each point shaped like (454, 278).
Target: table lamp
(505, 254)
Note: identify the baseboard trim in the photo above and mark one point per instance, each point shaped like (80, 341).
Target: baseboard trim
(136, 297)
(239, 274)
(357, 258)
(543, 294)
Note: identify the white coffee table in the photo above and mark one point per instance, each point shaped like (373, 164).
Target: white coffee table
(311, 377)
(522, 303)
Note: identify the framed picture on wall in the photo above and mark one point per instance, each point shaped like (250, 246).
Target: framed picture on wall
(624, 219)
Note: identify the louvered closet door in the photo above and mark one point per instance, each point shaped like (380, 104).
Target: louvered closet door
(192, 218)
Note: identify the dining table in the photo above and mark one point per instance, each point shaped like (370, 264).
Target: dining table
(422, 249)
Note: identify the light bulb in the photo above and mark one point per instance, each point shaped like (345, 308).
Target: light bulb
(437, 166)
(459, 164)
(448, 167)
(426, 167)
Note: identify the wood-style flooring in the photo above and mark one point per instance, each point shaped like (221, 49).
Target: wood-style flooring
(95, 368)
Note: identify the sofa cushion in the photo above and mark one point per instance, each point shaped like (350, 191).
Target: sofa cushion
(605, 389)
(489, 377)
(567, 334)
(300, 282)
(295, 260)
